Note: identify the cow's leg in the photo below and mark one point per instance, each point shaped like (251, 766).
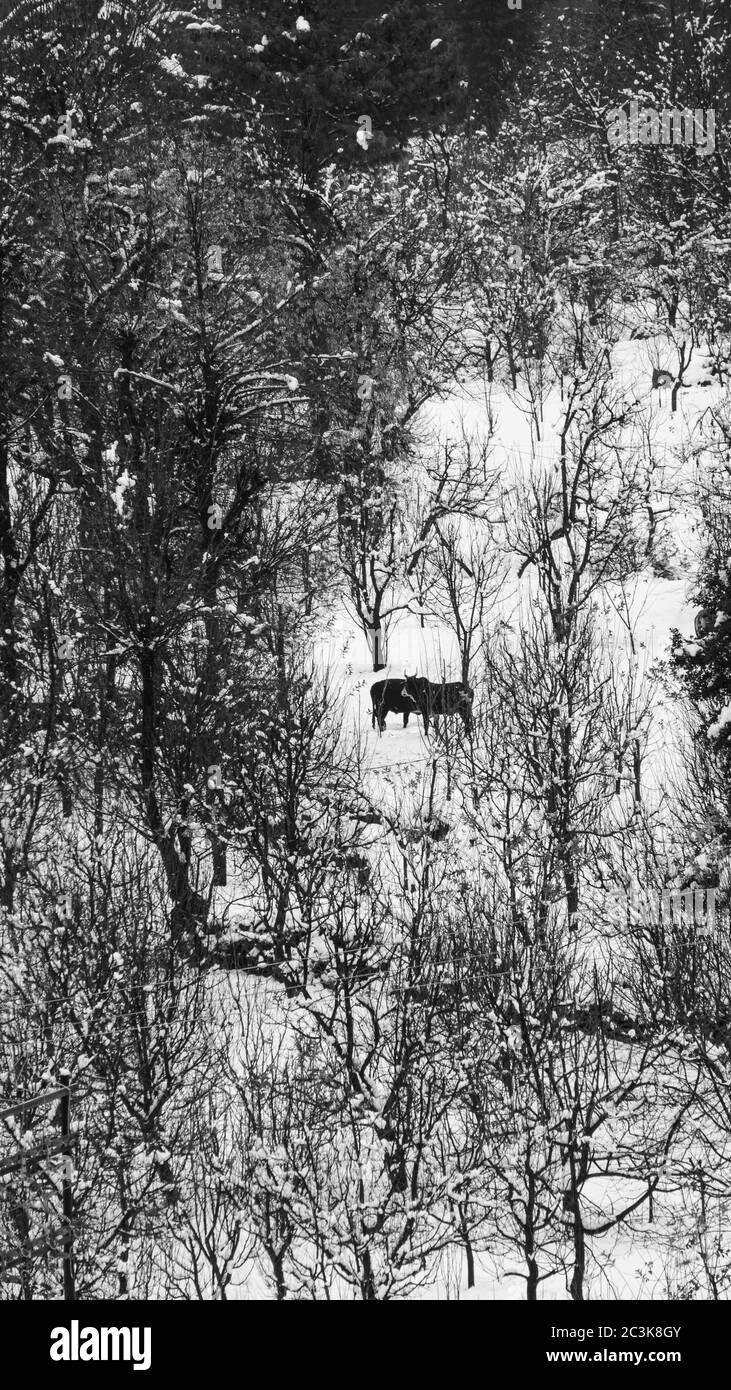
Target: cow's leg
(406, 718)
(373, 716)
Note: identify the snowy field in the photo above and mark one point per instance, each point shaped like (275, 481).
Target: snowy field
(644, 1257)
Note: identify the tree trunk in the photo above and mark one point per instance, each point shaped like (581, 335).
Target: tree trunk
(379, 649)
(190, 910)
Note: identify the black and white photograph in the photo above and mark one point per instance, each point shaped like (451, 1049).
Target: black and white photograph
(365, 664)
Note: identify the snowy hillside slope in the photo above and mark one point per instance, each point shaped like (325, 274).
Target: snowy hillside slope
(635, 618)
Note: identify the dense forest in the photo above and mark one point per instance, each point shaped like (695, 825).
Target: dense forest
(365, 689)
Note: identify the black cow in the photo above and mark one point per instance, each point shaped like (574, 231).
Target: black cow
(434, 700)
(388, 697)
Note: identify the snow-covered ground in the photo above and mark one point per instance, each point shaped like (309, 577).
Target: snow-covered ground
(648, 608)
(637, 1260)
